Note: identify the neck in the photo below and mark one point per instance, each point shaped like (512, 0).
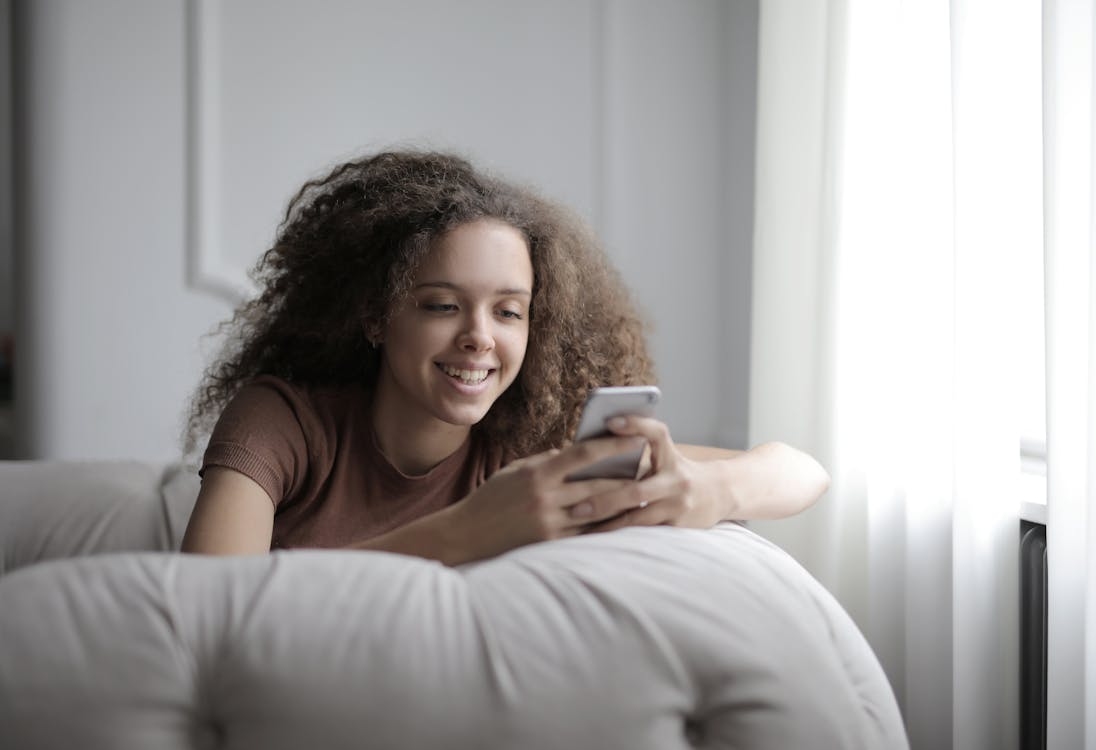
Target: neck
(412, 441)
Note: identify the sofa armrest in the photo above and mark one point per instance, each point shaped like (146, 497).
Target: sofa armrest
(56, 509)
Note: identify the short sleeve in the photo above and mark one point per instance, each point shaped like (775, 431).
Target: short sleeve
(262, 434)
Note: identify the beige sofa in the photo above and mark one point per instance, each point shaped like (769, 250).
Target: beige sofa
(644, 638)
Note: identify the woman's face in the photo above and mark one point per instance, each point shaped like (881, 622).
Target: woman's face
(458, 340)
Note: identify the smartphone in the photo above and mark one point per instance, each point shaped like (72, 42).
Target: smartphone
(602, 404)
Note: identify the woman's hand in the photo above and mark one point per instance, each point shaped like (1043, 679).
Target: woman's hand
(697, 487)
(530, 500)
(675, 490)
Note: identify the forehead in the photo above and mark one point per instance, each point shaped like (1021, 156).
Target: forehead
(485, 251)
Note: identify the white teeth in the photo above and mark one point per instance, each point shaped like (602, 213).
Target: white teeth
(469, 377)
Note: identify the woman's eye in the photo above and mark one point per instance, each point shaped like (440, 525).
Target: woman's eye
(510, 314)
(439, 307)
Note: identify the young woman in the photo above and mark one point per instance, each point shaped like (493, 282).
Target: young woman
(411, 375)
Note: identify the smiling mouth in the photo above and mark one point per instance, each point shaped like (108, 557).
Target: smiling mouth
(468, 377)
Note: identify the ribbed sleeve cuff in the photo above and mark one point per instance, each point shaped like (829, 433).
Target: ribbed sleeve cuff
(252, 466)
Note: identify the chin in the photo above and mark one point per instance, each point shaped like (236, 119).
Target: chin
(463, 417)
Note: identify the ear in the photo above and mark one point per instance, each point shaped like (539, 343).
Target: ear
(374, 332)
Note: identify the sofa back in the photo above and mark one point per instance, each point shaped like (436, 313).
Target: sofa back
(57, 509)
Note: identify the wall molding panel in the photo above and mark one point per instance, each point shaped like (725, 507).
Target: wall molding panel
(207, 269)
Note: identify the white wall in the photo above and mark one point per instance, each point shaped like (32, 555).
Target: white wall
(7, 304)
(153, 164)
(7, 256)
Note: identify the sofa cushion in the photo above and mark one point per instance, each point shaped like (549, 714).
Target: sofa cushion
(642, 638)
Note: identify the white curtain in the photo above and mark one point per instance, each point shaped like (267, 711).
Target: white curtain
(899, 197)
(1069, 177)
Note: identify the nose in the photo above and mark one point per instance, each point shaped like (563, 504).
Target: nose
(475, 335)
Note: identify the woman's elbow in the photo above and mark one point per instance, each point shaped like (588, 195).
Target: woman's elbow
(809, 479)
(816, 480)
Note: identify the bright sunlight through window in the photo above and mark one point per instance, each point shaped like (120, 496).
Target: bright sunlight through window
(1031, 333)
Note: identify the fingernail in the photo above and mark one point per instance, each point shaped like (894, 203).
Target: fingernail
(582, 510)
(618, 423)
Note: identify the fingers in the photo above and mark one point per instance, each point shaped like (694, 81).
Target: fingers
(656, 433)
(541, 480)
(661, 500)
(587, 452)
(536, 459)
(653, 514)
(628, 497)
(572, 506)
(594, 500)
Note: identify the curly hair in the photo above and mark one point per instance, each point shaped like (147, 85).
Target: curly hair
(347, 252)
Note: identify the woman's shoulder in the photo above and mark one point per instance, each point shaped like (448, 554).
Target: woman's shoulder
(287, 428)
(324, 397)
(270, 404)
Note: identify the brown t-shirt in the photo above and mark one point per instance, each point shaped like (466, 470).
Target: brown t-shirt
(314, 452)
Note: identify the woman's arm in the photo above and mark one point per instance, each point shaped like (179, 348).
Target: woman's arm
(771, 480)
(528, 501)
(232, 516)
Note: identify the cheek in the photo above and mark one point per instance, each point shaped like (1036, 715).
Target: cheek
(412, 337)
(518, 343)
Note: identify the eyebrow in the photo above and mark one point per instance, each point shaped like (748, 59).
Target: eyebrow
(506, 291)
